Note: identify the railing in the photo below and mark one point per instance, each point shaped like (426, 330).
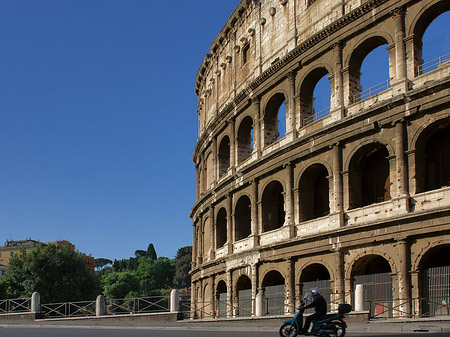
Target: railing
(432, 65)
(138, 305)
(376, 89)
(15, 305)
(415, 308)
(69, 309)
(318, 115)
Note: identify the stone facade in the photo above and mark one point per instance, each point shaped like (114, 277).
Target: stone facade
(359, 194)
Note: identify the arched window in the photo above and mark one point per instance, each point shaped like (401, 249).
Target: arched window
(245, 139)
(273, 206)
(221, 295)
(244, 290)
(224, 156)
(369, 176)
(243, 218)
(221, 228)
(273, 285)
(316, 276)
(275, 119)
(314, 193)
(315, 96)
(369, 69)
(437, 160)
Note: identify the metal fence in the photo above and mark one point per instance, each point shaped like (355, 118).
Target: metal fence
(432, 65)
(138, 305)
(69, 309)
(15, 305)
(315, 117)
(376, 89)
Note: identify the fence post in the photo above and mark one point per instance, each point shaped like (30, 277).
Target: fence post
(35, 302)
(174, 301)
(100, 305)
(359, 297)
(259, 304)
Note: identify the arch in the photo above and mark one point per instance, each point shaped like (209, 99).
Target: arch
(433, 156)
(434, 280)
(244, 295)
(355, 63)
(309, 83)
(273, 284)
(206, 237)
(273, 214)
(373, 272)
(207, 307)
(243, 218)
(224, 156)
(222, 299)
(221, 227)
(316, 275)
(419, 25)
(314, 199)
(274, 121)
(369, 168)
(245, 139)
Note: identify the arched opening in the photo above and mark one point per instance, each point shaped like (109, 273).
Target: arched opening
(369, 69)
(373, 272)
(314, 193)
(206, 239)
(433, 157)
(273, 284)
(244, 292)
(273, 207)
(221, 295)
(207, 305)
(434, 289)
(432, 38)
(316, 276)
(224, 156)
(245, 139)
(274, 127)
(221, 228)
(315, 96)
(243, 218)
(369, 176)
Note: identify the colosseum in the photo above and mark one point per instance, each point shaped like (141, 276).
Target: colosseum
(352, 197)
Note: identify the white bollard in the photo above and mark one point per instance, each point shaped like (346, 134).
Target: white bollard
(174, 301)
(359, 297)
(35, 302)
(100, 306)
(259, 304)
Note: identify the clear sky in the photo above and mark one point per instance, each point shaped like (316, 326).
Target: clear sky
(98, 120)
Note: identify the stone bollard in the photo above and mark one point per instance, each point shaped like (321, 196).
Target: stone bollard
(174, 301)
(35, 302)
(259, 304)
(359, 297)
(100, 306)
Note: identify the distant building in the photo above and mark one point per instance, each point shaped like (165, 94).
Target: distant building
(2, 270)
(12, 247)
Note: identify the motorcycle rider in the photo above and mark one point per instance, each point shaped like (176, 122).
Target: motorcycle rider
(319, 303)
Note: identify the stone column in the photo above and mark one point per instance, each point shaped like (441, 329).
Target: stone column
(400, 84)
(412, 182)
(259, 304)
(254, 213)
(194, 246)
(291, 132)
(256, 106)
(346, 190)
(404, 282)
(174, 301)
(337, 206)
(200, 239)
(212, 236)
(290, 287)
(359, 297)
(289, 199)
(229, 223)
(194, 300)
(254, 280)
(338, 81)
(415, 293)
(233, 151)
(215, 177)
(35, 302)
(348, 291)
(213, 297)
(230, 308)
(339, 290)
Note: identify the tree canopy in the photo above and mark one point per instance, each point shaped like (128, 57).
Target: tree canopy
(59, 274)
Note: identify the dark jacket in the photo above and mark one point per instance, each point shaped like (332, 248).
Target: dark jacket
(319, 304)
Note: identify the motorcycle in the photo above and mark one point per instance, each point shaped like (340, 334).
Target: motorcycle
(331, 325)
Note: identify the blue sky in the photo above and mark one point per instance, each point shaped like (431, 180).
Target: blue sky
(98, 120)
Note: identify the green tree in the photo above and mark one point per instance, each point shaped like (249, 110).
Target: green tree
(120, 284)
(101, 263)
(182, 278)
(59, 274)
(151, 252)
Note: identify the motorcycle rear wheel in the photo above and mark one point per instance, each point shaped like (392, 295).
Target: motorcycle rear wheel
(288, 330)
(340, 330)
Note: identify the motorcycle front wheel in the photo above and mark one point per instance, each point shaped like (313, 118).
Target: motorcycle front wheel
(288, 330)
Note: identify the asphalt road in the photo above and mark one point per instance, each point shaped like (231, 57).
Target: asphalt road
(82, 332)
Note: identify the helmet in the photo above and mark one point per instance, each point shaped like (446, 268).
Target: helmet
(315, 292)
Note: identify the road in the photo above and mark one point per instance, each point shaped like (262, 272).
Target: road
(107, 332)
